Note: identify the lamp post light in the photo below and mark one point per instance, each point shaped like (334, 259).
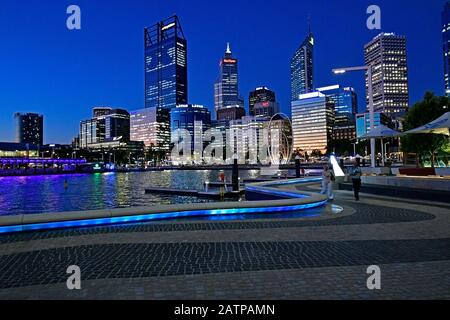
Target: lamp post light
(369, 71)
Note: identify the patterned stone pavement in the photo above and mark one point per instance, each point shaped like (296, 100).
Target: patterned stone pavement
(322, 257)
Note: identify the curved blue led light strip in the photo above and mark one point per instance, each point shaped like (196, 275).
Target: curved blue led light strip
(179, 214)
(152, 217)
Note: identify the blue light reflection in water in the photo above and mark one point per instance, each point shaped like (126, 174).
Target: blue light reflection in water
(42, 194)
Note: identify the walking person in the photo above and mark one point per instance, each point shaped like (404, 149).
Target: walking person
(327, 182)
(355, 173)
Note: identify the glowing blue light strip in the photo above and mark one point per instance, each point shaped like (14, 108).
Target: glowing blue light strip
(283, 194)
(180, 214)
(152, 217)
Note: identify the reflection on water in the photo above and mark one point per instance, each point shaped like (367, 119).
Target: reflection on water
(39, 194)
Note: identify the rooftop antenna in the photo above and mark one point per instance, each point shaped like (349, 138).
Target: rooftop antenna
(309, 23)
(228, 48)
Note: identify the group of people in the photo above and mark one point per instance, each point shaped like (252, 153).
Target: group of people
(328, 178)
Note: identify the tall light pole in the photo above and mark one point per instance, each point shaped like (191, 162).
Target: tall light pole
(354, 147)
(369, 71)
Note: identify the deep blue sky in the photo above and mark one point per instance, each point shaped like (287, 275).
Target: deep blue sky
(46, 68)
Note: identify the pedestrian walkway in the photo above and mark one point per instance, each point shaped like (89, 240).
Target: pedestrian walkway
(322, 257)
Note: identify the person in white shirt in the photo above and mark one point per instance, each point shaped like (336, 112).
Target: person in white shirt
(327, 182)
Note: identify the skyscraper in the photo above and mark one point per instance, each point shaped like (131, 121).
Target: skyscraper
(29, 128)
(387, 55)
(151, 126)
(312, 122)
(226, 88)
(194, 119)
(302, 71)
(346, 108)
(166, 81)
(117, 125)
(446, 45)
(261, 94)
(106, 125)
(346, 102)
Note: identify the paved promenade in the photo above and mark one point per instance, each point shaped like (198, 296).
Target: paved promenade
(323, 257)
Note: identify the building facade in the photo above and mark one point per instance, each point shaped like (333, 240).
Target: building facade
(363, 122)
(245, 139)
(117, 125)
(266, 110)
(106, 125)
(226, 88)
(231, 112)
(312, 122)
(18, 150)
(446, 46)
(166, 80)
(151, 126)
(387, 55)
(29, 128)
(346, 106)
(260, 95)
(193, 119)
(302, 68)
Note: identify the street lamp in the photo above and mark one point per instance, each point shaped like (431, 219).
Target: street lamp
(367, 69)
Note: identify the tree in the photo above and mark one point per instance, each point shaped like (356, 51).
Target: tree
(317, 153)
(423, 112)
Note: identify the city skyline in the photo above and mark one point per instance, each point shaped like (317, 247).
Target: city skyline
(252, 75)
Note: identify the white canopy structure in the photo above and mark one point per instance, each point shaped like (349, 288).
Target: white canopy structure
(438, 126)
(381, 132)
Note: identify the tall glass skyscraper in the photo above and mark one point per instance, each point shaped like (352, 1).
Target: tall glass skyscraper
(387, 55)
(302, 71)
(166, 82)
(226, 88)
(446, 45)
(345, 101)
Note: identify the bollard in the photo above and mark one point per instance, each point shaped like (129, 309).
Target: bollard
(297, 167)
(235, 174)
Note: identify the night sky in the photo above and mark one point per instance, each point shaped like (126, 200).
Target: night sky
(48, 69)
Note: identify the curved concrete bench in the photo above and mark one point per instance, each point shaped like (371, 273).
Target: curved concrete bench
(294, 201)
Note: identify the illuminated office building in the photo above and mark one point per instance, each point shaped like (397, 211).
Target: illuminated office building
(29, 128)
(106, 125)
(346, 107)
(312, 122)
(260, 95)
(244, 138)
(231, 112)
(166, 80)
(387, 55)
(195, 119)
(266, 110)
(226, 88)
(151, 126)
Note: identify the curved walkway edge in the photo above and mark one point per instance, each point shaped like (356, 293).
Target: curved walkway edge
(290, 200)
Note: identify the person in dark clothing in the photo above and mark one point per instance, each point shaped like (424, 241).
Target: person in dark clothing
(355, 173)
